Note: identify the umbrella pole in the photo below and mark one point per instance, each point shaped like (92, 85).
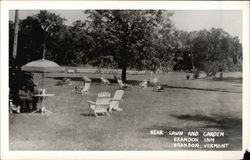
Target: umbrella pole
(42, 79)
(43, 92)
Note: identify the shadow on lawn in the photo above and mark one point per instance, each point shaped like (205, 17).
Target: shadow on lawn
(92, 114)
(230, 125)
(214, 121)
(87, 114)
(203, 89)
(94, 80)
(228, 79)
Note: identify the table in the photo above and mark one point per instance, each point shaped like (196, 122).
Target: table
(43, 98)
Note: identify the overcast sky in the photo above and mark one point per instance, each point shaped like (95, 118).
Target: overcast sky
(187, 20)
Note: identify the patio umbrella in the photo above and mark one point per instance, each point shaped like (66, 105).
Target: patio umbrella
(42, 66)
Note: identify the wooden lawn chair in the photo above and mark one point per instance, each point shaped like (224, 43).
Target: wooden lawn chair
(115, 101)
(158, 88)
(153, 81)
(100, 106)
(104, 80)
(144, 84)
(13, 107)
(85, 90)
(123, 85)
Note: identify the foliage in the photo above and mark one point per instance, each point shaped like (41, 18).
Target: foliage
(33, 32)
(196, 73)
(216, 51)
(129, 36)
(135, 39)
(19, 80)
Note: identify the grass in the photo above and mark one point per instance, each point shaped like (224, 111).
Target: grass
(186, 105)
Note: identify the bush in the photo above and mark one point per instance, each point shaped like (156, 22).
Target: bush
(196, 73)
(19, 80)
(211, 68)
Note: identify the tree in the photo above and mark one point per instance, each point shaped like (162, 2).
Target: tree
(33, 32)
(53, 28)
(31, 37)
(216, 51)
(127, 35)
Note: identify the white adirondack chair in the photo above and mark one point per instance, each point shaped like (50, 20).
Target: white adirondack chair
(154, 81)
(144, 84)
(100, 106)
(71, 71)
(115, 101)
(123, 85)
(13, 107)
(104, 80)
(85, 90)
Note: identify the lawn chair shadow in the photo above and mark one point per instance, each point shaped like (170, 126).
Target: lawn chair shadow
(213, 121)
(228, 79)
(123, 85)
(205, 89)
(87, 114)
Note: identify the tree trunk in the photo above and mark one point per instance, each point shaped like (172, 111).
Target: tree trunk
(124, 59)
(221, 75)
(124, 70)
(124, 56)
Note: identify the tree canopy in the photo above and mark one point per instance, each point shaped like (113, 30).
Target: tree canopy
(134, 39)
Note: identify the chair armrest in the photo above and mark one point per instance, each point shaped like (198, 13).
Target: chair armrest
(91, 102)
(112, 99)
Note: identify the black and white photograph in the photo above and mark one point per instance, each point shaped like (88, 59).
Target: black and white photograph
(125, 79)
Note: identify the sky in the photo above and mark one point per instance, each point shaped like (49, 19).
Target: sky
(187, 20)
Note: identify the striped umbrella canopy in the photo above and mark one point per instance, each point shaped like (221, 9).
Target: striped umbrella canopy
(42, 66)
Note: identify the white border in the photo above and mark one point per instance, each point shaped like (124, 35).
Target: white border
(171, 5)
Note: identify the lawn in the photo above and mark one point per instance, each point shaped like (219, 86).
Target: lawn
(185, 105)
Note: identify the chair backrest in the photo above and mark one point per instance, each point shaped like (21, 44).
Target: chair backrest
(104, 80)
(120, 82)
(118, 94)
(115, 77)
(43, 91)
(154, 80)
(86, 79)
(144, 83)
(86, 87)
(103, 95)
(11, 103)
(25, 95)
(102, 101)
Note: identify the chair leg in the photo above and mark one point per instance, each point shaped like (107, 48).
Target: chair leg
(90, 111)
(110, 109)
(108, 114)
(95, 114)
(10, 110)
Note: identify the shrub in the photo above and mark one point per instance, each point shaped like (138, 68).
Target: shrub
(211, 68)
(196, 73)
